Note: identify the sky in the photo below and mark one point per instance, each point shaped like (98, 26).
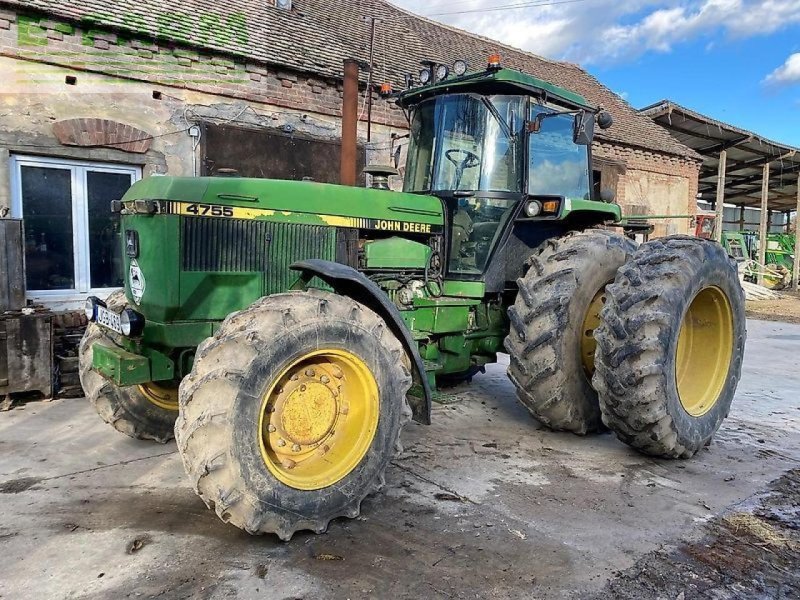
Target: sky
(737, 61)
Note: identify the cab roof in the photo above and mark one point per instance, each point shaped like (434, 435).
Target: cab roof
(495, 81)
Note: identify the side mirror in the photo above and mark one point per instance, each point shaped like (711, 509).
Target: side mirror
(604, 120)
(583, 132)
(607, 195)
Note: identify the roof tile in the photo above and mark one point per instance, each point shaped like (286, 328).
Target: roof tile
(317, 35)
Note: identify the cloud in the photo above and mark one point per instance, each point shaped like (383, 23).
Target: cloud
(603, 31)
(788, 73)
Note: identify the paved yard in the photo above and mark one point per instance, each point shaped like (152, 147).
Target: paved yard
(484, 504)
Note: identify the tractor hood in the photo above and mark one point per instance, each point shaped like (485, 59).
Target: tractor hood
(196, 248)
(291, 201)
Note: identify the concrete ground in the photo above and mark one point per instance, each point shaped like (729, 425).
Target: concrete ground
(484, 503)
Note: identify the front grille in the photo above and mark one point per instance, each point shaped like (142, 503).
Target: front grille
(224, 245)
(238, 245)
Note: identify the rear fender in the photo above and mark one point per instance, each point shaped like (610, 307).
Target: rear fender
(351, 283)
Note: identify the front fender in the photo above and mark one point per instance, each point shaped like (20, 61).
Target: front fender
(351, 283)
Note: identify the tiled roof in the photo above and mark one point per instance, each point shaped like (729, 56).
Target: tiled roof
(317, 35)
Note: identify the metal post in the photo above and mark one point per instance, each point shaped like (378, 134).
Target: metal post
(762, 229)
(373, 21)
(347, 170)
(796, 265)
(720, 202)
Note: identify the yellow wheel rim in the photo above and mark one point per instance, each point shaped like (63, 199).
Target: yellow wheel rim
(705, 348)
(590, 322)
(163, 396)
(318, 419)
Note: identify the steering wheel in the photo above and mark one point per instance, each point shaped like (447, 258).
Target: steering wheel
(470, 158)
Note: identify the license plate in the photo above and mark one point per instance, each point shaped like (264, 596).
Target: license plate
(108, 319)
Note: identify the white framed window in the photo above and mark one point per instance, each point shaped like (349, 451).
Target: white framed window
(72, 239)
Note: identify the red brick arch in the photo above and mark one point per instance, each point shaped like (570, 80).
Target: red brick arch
(102, 132)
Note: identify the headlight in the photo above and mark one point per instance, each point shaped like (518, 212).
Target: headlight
(425, 76)
(533, 208)
(131, 322)
(442, 71)
(89, 307)
(460, 67)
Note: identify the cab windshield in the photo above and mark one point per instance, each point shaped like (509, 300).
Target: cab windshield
(558, 166)
(466, 142)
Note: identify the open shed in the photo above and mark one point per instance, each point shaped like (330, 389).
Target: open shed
(739, 167)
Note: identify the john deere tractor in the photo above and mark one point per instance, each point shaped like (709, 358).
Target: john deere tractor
(285, 331)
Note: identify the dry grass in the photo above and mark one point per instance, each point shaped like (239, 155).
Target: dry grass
(757, 528)
(786, 308)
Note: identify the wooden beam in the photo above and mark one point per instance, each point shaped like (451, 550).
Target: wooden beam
(758, 162)
(752, 179)
(725, 145)
(796, 265)
(762, 228)
(720, 201)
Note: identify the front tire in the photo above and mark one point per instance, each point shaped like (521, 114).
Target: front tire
(670, 346)
(143, 412)
(292, 412)
(550, 341)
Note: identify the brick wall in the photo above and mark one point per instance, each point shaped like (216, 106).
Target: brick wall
(57, 43)
(647, 182)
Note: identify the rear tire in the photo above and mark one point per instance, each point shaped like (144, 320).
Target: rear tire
(245, 379)
(670, 346)
(129, 410)
(552, 319)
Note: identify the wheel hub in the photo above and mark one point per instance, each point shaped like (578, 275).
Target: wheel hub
(308, 413)
(163, 396)
(704, 351)
(590, 322)
(318, 419)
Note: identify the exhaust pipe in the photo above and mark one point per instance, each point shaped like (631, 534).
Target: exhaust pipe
(349, 149)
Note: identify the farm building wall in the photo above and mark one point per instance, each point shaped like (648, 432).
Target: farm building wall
(74, 94)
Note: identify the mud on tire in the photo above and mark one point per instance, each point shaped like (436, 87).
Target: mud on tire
(653, 296)
(221, 400)
(547, 327)
(126, 409)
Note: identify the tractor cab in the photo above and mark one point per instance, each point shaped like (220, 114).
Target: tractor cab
(497, 147)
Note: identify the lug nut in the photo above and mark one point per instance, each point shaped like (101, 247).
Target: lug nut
(296, 448)
(281, 442)
(344, 410)
(295, 377)
(337, 372)
(310, 372)
(303, 387)
(271, 428)
(325, 379)
(288, 463)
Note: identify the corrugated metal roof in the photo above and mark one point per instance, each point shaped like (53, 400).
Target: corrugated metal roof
(747, 153)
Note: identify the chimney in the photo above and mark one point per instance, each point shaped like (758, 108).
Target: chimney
(349, 150)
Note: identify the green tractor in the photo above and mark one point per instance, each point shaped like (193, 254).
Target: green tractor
(285, 331)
